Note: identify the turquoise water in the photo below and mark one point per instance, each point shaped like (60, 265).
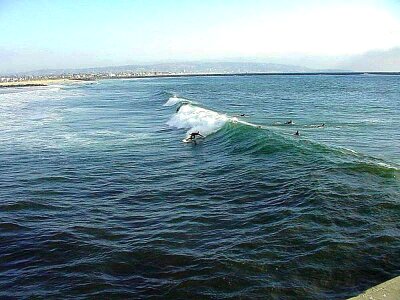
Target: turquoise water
(100, 198)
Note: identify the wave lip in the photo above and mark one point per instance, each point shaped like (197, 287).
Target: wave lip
(175, 100)
(196, 118)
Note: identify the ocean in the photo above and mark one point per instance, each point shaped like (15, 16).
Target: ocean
(100, 198)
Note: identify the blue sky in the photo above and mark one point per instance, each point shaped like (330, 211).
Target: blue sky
(64, 34)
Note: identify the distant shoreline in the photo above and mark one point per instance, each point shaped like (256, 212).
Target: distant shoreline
(37, 82)
(20, 84)
(258, 74)
(46, 82)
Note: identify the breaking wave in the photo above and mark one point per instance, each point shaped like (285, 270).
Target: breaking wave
(175, 100)
(196, 118)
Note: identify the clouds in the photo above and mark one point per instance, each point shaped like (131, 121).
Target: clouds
(388, 61)
(328, 30)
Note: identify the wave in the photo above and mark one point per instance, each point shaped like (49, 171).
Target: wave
(372, 167)
(248, 138)
(195, 118)
(20, 98)
(28, 205)
(240, 138)
(175, 100)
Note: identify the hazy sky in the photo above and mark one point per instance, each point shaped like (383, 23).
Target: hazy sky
(317, 34)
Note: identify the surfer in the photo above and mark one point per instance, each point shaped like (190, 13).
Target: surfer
(320, 126)
(290, 122)
(180, 106)
(297, 133)
(194, 134)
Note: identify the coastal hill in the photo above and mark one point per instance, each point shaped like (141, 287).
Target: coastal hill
(186, 67)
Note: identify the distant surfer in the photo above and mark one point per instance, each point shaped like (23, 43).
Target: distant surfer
(297, 133)
(179, 107)
(290, 122)
(241, 115)
(193, 135)
(318, 126)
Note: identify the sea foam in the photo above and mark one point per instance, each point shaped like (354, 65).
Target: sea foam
(196, 118)
(175, 100)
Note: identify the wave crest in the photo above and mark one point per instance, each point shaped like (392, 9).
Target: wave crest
(175, 100)
(196, 118)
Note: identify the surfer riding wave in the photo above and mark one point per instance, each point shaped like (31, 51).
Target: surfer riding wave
(198, 121)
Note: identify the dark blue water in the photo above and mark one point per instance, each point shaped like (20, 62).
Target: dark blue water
(100, 198)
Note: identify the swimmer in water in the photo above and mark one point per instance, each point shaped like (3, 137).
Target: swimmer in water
(297, 133)
(290, 122)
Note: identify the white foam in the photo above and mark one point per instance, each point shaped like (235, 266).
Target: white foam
(174, 100)
(195, 119)
(388, 166)
(236, 120)
(20, 97)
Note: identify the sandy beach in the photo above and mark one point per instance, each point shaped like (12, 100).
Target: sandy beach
(44, 82)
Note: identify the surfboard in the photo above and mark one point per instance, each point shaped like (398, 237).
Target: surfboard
(189, 140)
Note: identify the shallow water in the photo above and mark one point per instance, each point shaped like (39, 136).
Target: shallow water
(100, 198)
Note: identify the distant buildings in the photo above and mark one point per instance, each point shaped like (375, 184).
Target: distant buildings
(83, 76)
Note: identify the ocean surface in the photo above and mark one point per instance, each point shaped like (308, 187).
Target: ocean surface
(100, 198)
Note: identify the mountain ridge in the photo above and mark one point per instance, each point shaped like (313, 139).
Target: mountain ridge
(185, 68)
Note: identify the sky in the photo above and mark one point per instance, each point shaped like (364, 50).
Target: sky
(349, 34)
